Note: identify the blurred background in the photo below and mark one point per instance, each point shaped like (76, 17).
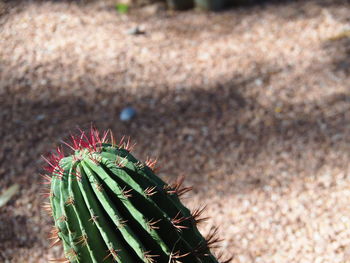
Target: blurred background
(250, 102)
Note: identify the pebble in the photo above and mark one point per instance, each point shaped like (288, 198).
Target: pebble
(135, 31)
(258, 82)
(127, 114)
(40, 117)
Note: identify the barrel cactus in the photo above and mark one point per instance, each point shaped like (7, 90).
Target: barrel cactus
(109, 207)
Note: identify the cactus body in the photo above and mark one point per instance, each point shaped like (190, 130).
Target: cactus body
(109, 207)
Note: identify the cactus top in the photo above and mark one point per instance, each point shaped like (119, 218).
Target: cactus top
(109, 207)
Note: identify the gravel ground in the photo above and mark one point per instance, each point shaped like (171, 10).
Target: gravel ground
(251, 104)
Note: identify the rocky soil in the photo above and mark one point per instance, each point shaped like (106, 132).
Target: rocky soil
(251, 104)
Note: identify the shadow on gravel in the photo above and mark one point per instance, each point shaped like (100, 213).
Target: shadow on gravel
(193, 130)
(196, 131)
(339, 46)
(11, 233)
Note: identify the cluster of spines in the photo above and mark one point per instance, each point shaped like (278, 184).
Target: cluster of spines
(92, 143)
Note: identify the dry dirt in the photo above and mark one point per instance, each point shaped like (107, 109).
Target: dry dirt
(251, 104)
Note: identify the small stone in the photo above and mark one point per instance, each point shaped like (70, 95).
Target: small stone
(135, 31)
(127, 114)
(258, 82)
(40, 117)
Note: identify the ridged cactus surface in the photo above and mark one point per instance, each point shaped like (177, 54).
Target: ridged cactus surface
(109, 207)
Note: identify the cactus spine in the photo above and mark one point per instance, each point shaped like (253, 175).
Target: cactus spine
(109, 207)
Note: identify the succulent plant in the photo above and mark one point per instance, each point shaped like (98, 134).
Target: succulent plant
(109, 207)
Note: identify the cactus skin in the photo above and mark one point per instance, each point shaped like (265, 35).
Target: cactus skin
(109, 207)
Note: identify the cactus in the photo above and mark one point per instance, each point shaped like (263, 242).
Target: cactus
(109, 207)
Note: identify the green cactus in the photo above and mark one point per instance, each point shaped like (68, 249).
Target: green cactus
(109, 207)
